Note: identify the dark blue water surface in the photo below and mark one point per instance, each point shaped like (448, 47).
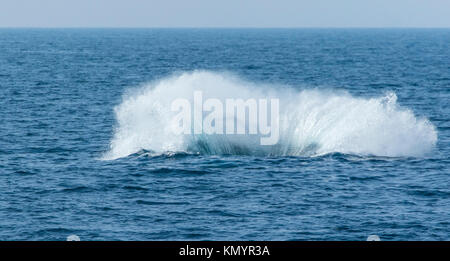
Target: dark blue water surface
(58, 91)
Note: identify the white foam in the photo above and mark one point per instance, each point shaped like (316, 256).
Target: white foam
(312, 122)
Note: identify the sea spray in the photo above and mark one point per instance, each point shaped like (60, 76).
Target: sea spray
(312, 122)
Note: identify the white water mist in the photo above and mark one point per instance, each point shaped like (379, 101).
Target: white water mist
(312, 122)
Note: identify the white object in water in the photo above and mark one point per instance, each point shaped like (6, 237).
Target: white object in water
(373, 238)
(73, 238)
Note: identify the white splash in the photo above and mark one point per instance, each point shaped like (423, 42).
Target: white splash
(312, 122)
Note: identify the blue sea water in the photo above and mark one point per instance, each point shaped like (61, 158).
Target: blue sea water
(79, 153)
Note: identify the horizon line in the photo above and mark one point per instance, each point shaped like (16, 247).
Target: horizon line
(219, 27)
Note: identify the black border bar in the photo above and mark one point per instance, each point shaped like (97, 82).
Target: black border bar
(224, 250)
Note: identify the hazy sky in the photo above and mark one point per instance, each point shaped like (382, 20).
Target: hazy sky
(225, 13)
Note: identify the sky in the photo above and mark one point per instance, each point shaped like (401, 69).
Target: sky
(225, 13)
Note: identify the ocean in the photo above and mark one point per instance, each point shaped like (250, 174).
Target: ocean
(363, 145)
